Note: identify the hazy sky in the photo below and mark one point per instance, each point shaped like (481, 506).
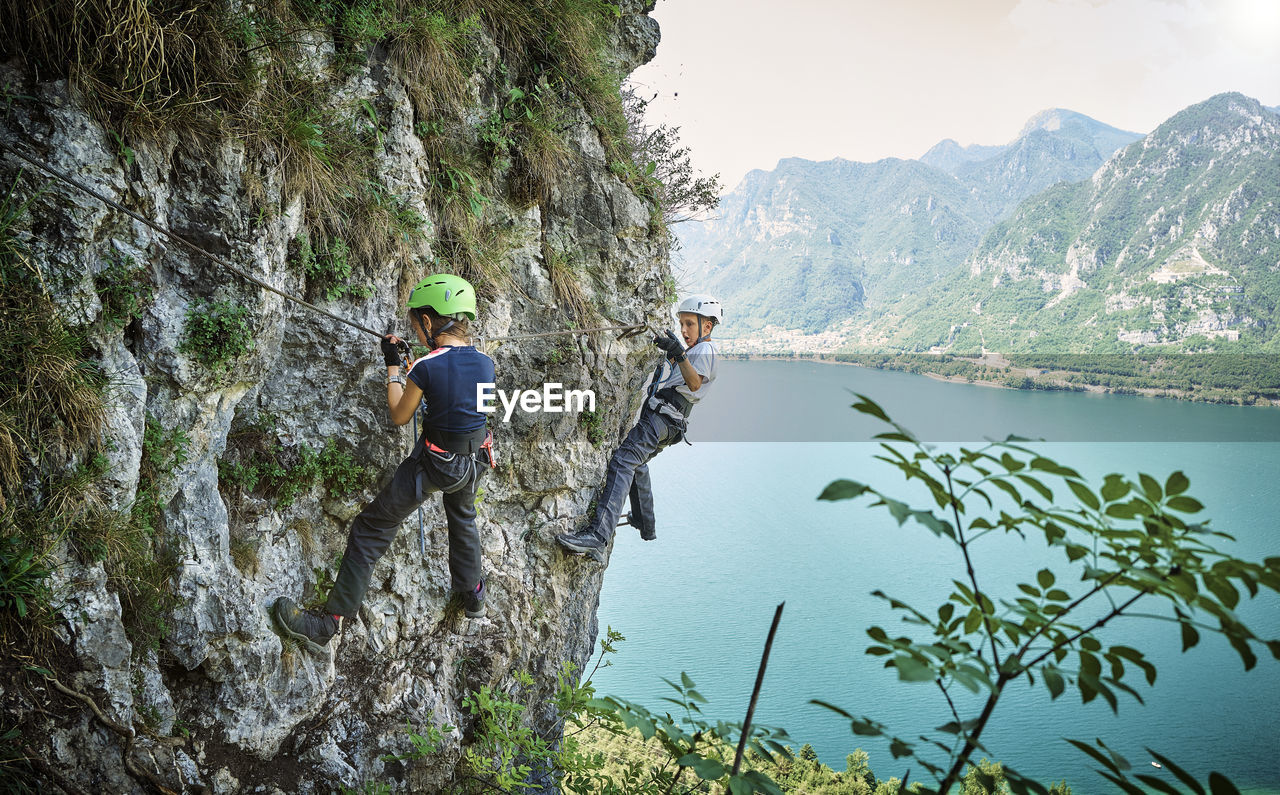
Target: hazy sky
(752, 81)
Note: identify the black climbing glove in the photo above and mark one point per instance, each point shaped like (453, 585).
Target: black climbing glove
(390, 351)
(671, 346)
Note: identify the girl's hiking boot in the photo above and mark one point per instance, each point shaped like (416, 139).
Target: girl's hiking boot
(473, 601)
(311, 628)
(583, 543)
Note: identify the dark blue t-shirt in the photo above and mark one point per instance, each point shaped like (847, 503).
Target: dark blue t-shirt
(448, 378)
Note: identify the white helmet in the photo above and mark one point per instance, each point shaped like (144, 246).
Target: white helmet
(703, 305)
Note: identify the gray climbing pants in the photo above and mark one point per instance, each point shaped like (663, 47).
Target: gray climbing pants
(422, 473)
(628, 475)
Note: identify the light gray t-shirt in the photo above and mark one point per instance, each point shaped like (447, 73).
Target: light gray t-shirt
(703, 358)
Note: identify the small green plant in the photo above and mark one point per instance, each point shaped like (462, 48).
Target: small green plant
(424, 745)
(457, 184)
(325, 576)
(407, 222)
(123, 151)
(256, 462)
(140, 563)
(328, 270)
(125, 289)
(23, 575)
(503, 744)
(593, 423)
(217, 333)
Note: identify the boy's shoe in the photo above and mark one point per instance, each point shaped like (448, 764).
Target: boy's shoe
(311, 628)
(583, 543)
(473, 601)
(645, 533)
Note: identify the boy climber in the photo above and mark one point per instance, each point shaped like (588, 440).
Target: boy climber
(450, 455)
(680, 381)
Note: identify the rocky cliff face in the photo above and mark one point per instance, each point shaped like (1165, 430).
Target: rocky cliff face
(245, 711)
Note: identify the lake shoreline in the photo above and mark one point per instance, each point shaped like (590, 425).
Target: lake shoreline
(997, 370)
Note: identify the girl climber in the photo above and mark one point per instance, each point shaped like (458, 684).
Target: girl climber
(453, 450)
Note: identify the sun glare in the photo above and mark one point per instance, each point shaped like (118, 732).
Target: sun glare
(1257, 22)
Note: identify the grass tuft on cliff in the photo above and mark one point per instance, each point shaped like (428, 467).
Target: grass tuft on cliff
(277, 76)
(53, 401)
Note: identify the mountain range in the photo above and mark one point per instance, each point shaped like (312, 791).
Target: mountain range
(1075, 236)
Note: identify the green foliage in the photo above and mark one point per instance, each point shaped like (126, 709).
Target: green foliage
(51, 390)
(125, 289)
(328, 271)
(424, 745)
(1132, 542)
(698, 745)
(502, 742)
(140, 564)
(217, 333)
(22, 576)
(325, 576)
(259, 73)
(256, 462)
(593, 423)
(661, 168)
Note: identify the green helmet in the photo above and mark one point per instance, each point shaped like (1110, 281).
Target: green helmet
(451, 296)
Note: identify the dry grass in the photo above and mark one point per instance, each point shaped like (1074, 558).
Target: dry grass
(143, 65)
(566, 282)
(429, 49)
(51, 397)
(254, 73)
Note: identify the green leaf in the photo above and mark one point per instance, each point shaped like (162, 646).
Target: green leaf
(1223, 589)
(1052, 467)
(843, 490)
(1150, 487)
(686, 681)
(832, 707)
(1184, 504)
(1126, 510)
(1158, 784)
(911, 669)
(1176, 484)
(1084, 494)
(972, 621)
(1100, 757)
(762, 783)
(1007, 488)
(1045, 578)
(1221, 785)
(1039, 487)
(1114, 487)
(1189, 636)
(708, 769)
(1053, 680)
(868, 406)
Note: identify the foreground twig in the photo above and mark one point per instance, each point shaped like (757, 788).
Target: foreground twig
(755, 692)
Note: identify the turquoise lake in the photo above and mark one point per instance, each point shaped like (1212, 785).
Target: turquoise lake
(740, 530)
